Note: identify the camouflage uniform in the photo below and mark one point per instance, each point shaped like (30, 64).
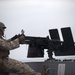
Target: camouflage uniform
(10, 65)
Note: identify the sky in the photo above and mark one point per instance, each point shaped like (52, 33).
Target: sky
(35, 17)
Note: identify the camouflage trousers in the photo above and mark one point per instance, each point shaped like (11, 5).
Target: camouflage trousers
(18, 67)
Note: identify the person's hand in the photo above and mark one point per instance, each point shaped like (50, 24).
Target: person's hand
(21, 38)
(14, 37)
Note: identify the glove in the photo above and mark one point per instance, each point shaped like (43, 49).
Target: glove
(14, 37)
(21, 38)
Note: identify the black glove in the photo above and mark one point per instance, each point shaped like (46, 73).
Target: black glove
(14, 37)
(21, 38)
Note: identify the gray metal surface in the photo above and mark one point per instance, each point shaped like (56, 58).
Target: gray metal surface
(13, 74)
(54, 67)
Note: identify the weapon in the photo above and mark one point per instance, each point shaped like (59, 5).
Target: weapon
(37, 45)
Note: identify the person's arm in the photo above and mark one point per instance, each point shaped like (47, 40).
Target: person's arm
(9, 45)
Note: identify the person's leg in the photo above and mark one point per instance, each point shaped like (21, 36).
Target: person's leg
(3, 69)
(19, 67)
(4, 73)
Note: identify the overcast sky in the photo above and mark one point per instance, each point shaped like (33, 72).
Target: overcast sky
(36, 17)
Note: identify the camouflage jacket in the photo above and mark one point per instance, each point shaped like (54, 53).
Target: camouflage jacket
(6, 45)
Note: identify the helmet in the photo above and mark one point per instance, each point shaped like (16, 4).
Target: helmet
(2, 26)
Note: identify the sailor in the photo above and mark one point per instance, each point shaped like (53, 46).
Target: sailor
(11, 65)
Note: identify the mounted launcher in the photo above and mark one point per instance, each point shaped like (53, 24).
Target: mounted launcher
(52, 44)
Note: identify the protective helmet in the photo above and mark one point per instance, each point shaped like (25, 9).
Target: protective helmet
(2, 26)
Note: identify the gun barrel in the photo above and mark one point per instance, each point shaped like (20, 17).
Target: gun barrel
(29, 39)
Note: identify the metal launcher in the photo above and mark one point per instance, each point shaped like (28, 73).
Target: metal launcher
(52, 44)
